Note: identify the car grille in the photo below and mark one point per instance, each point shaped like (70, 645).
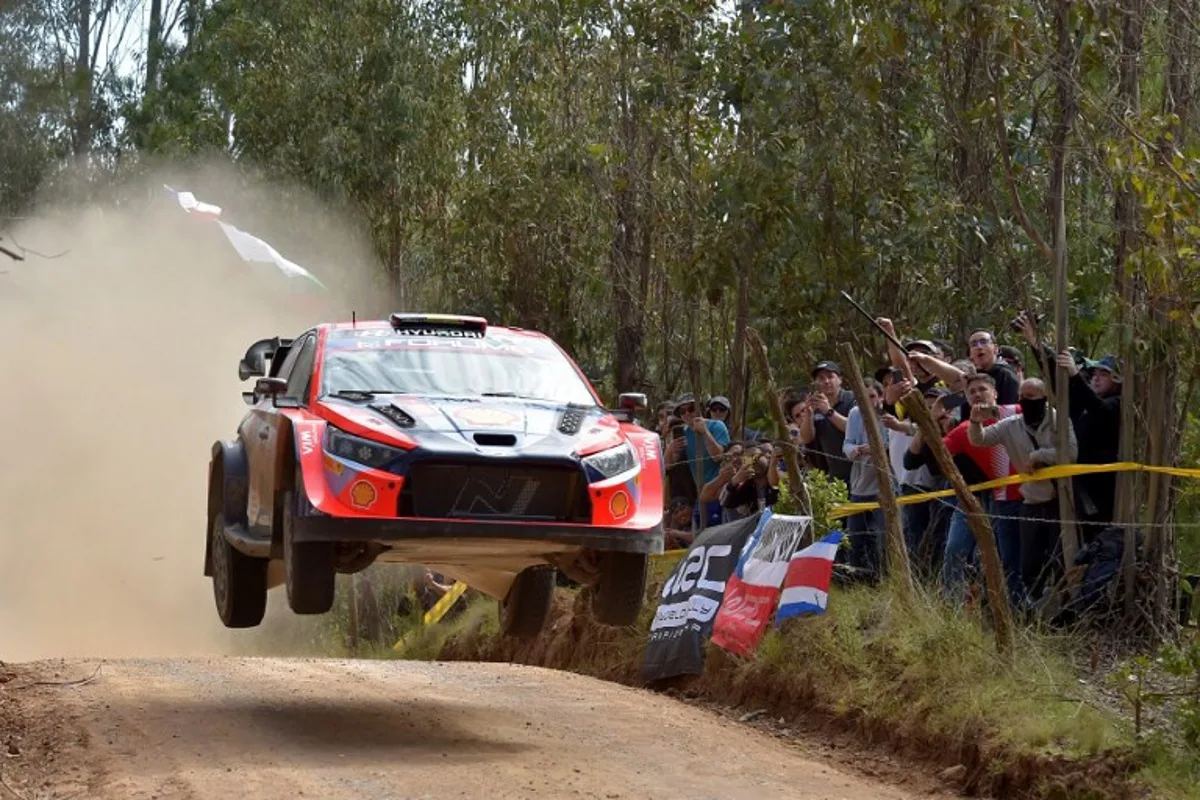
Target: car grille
(496, 491)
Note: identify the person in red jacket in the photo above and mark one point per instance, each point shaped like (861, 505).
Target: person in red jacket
(977, 465)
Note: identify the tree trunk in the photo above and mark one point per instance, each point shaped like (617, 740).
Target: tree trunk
(154, 46)
(796, 484)
(898, 562)
(1065, 80)
(1126, 214)
(83, 78)
(737, 378)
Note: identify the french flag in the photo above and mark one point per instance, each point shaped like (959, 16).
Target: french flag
(806, 585)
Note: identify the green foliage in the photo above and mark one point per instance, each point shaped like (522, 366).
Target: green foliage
(823, 491)
(1163, 695)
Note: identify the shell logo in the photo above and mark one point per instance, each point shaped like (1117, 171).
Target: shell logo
(362, 494)
(486, 416)
(619, 505)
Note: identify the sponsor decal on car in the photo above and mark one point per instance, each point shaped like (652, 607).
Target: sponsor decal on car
(307, 441)
(363, 494)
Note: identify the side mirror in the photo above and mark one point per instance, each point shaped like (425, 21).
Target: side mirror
(270, 387)
(254, 362)
(248, 368)
(632, 401)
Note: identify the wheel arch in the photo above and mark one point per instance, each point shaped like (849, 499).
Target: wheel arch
(228, 489)
(287, 457)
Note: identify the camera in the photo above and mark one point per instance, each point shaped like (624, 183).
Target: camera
(1015, 322)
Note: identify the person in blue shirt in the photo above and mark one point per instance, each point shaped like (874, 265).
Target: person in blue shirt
(703, 439)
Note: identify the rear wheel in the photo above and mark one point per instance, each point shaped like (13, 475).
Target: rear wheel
(526, 609)
(308, 567)
(239, 581)
(618, 596)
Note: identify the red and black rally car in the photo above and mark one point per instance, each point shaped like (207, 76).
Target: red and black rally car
(481, 452)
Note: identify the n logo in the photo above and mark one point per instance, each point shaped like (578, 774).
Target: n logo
(511, 498)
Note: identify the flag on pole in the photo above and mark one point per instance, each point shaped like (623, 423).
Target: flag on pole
(806, 585)
(249, 247)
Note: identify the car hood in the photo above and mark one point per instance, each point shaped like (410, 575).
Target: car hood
(522, 425)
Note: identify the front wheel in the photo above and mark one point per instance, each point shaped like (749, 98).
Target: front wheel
(239, 581)
(526, 609)
(308, 567)
(618, 596)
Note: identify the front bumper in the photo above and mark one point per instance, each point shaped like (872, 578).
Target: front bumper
(323, 528)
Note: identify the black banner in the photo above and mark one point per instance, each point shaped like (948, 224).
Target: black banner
(690, 599)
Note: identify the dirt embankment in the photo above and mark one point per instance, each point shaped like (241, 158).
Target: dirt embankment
(796, 703)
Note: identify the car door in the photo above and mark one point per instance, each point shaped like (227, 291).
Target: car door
(265, 443)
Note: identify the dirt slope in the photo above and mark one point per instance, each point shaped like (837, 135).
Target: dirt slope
(275, 728)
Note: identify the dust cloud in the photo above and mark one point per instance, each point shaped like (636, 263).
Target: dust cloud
(118, 362)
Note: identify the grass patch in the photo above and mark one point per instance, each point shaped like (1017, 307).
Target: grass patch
(926, 667)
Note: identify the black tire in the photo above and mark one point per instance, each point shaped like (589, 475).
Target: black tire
(308, 567)
(526, 609)
(619, 595)
(239, 581)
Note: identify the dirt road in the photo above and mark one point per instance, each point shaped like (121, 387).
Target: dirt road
(276, 728)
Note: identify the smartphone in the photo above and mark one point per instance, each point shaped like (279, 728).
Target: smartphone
(677, 431)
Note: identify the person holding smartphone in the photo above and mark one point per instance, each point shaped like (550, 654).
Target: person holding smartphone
(977, 463)
(703, 440)
(822, 419)
(866, 528)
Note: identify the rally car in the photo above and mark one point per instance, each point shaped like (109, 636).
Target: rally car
(481, 452)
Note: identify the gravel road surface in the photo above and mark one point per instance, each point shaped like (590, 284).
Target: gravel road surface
(284, 728)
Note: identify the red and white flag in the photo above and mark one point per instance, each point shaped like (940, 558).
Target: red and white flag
(753, 590)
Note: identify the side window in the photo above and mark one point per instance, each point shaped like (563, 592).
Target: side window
(301, 373)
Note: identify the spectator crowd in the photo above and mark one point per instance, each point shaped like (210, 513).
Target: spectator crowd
(996, 419)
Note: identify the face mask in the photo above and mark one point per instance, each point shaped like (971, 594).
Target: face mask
(1034, 411)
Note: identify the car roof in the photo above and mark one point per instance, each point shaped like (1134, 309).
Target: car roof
(375, 324)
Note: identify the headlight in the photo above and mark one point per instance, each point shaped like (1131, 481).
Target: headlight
(359, 450)
(611, 463)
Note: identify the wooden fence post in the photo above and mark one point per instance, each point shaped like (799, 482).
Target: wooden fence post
(897, 550)
(981, 526)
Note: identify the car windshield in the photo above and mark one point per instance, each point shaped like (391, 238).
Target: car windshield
(380, 361)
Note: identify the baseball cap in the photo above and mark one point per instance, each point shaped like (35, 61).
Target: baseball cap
(832, 366)
(922, 344)
(1107, 363)
(720, 400)
(685, 399)
(1010, 353)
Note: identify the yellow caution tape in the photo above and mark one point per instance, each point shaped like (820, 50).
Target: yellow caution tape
(1044, 474)
(434, 615)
